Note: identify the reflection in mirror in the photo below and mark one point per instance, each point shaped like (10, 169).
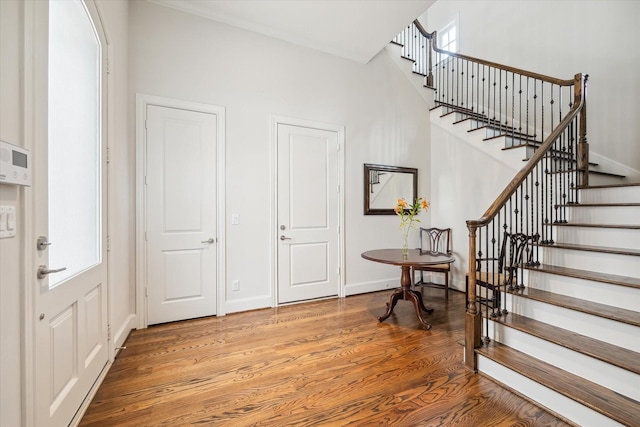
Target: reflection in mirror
(384, 185)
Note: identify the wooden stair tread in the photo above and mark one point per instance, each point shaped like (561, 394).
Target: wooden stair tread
(589, 248)
(609, 353)
(579, 224)
(589, 307)
(607, 402)
(594, 172)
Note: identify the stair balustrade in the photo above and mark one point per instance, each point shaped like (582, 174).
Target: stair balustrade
(546, 114)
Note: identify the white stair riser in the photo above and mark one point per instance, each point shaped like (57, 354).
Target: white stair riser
(628, 215)
(597, 179)
(594, 236)
(629, 194)
(616, 333)
(615, 378)
(623, 297)
(545, 397)
(621, 265)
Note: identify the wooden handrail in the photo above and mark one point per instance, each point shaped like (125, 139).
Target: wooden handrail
(434, 40)
(528, 167)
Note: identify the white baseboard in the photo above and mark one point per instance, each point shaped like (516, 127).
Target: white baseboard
(123, 331)
(246, 304)
(378, 285)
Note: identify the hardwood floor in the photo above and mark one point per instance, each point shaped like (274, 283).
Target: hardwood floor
(323, 363)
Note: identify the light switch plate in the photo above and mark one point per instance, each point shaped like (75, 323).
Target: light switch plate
(7, 221)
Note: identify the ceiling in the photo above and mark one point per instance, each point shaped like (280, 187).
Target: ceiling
(353, 29)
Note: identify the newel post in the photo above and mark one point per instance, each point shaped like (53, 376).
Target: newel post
(472, 319)
(580, 89)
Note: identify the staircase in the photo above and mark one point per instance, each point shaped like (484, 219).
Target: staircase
(568, 338)
(571, 339)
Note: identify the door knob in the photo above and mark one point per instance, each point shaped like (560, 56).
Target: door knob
(43, 271)
(285, 238)
(209, 240)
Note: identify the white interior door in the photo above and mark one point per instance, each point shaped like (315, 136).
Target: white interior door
(308, 213)
(70, 302)
(180, 214)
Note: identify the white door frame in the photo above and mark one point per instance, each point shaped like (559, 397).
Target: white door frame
(278, 120)
(142, 100)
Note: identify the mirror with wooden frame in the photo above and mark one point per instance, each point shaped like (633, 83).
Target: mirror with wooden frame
(384, 185)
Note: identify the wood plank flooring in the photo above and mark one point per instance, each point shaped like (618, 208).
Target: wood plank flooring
(322, 363)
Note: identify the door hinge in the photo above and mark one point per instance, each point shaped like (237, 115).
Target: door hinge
(108, 243)
(145, 236)
(338, 271)
(108, 332)
(145, 124)
(108, 66)
(108, 155)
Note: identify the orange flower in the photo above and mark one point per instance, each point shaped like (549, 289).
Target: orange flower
(408, 212)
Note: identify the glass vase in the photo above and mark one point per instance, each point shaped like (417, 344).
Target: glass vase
(405, 244)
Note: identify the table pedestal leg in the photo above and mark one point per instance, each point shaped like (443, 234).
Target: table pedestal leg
(407, 294)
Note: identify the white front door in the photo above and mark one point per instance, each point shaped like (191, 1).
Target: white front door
(308, 212)
(180, 214)
(70, 205)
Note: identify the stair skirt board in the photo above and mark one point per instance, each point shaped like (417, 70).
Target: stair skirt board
(616, 264)
(614, 378)
(543, 396)
(624, 297)
(599, 328)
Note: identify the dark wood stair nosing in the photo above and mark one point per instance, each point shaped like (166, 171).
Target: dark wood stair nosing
(601, 186)
(589, 225)
(609, 353)
(594, 172)
(594, 276)
(594, 396)
(591, 248)
(597, 205)
(596, 309)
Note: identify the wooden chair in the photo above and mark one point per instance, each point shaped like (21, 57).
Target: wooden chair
(515, 252)
(435, 241)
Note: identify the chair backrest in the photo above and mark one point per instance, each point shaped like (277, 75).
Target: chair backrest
(435, 241)
(516, 250)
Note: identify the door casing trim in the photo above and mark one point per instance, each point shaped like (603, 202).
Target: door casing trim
(142, 101)
(340, 130)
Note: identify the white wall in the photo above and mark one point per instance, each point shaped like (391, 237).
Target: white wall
(12, 251)
(11, 29)
(560, 39)
(458, 159)
(185, 57)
